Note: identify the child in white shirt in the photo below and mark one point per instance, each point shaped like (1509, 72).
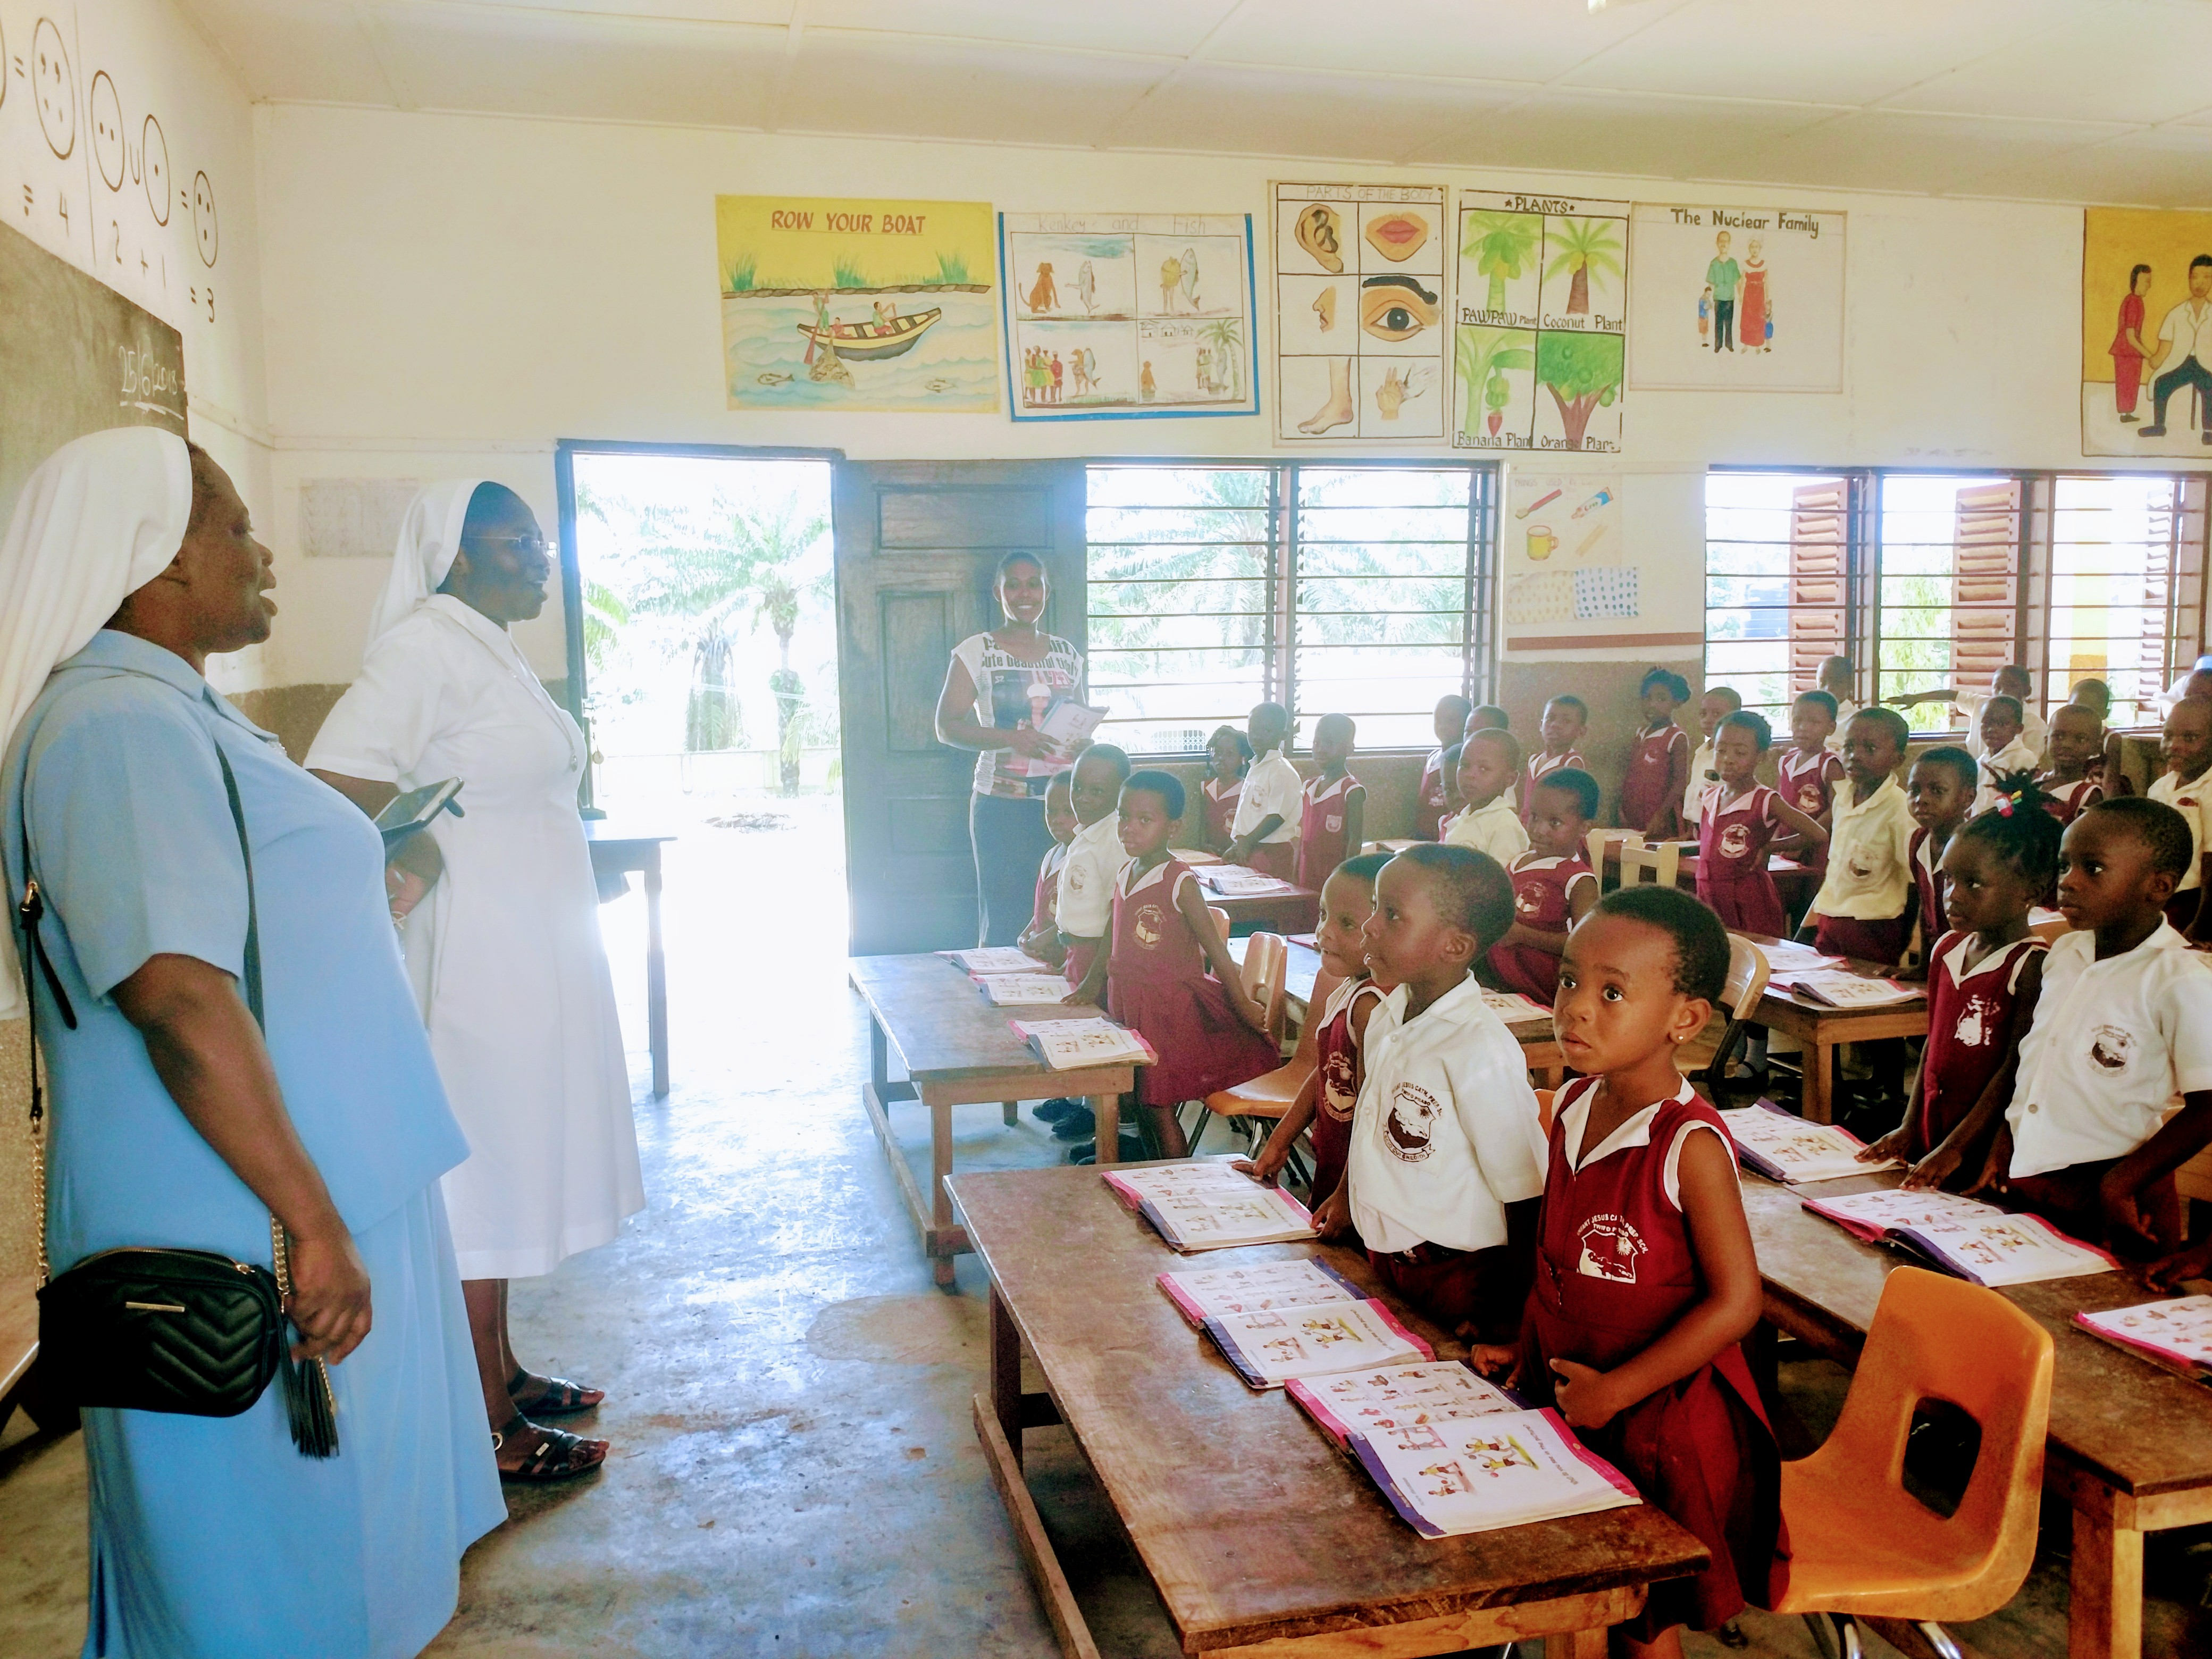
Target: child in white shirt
(1084, 908)
(1489, 766)
(2186, 785)
(1266, 826)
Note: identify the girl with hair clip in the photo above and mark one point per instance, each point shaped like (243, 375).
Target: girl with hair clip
(1659, 765)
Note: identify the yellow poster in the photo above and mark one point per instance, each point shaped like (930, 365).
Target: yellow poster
(851, 303)
(2146, 332)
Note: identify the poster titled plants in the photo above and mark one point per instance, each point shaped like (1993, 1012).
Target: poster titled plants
(1541, 322)
(1123, 315)
(1360, 312)
(857, 304)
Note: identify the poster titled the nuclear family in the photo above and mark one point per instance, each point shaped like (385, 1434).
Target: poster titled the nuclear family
(1737, 298)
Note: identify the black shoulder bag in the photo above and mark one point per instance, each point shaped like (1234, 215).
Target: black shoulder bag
(152, 1329)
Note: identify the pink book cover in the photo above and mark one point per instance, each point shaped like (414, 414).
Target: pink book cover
(1196, 1314)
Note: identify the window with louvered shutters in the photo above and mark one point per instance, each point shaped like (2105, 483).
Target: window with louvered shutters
(1819, 578)
(1984, 581)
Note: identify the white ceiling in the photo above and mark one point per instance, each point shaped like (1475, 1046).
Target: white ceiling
(2102, 100)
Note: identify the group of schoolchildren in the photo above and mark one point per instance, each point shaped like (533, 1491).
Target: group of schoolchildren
(1606, 1268)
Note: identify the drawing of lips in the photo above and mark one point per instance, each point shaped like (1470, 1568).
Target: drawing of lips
(1398, 236)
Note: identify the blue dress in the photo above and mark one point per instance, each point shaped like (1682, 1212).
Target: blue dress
(211, 1537)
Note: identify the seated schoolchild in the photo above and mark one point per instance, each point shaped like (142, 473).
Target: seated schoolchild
(1489, 766)
(1430, 809)
(1553, 885)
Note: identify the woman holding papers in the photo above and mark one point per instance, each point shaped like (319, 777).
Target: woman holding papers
(504, 948)
(998, 688)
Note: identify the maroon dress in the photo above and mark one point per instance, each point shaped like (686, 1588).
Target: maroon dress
(2070, 800)
(1968, 1015)
(1732, 873)
(1321, 829)
(1336, 1085)
(1430, 814)
(1658, 772)
(1048, 886)
(1541, 765)
(1157, 984)
(1541, 888)
(1615, 1273)
(1930, 881)
(1808, 783)
(1222, 795)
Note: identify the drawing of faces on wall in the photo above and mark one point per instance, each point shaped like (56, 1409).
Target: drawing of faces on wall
(52, 90)
(107, 130)
(204, 228)
(154, 148)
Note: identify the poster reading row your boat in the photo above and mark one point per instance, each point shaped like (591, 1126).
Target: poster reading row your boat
(1120, 316)
(853, 303)
(1737, 298)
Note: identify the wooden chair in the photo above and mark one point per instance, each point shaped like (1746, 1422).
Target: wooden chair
(1748, 969)
(1636, 858)
(1861, 1546)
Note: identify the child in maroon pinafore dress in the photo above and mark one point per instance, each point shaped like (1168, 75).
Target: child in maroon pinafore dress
(1041, 938)
(1207, 1031)
(1659, 765)
(1738, 816)
(1634, 1328)
(2073, 783)
(1553, 885)
(1939, 791)
(1429, 810)
(1566, 718)
(1228, 756)
(1808, 771)
(1333, 807)
(1344, 998)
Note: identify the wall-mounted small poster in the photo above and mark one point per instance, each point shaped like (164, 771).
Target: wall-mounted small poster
(1737, 298)
(2146, 332)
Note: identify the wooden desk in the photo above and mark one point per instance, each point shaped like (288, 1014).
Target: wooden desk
(1790, 876)
(19, 1338)
(616, 849)
(1261, 1538)
(1277, 913)
(1820, 1029)
(2130, 1446)
(959, 1049)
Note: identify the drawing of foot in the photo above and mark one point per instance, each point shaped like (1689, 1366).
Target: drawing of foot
(1336, 409)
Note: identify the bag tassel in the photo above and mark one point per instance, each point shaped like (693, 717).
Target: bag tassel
(310, 1407)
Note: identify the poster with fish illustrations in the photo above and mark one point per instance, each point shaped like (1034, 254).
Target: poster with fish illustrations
(1360, 312)
(1540, 332)
(857, 304)
(1125, 316)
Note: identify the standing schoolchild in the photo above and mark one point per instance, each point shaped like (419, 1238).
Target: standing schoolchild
(2096, 696)
(1445, 1163)
(1835, 676)
(1939, 792)
(1864, 907)
(2009, 681)
(1646, 1282)
(1739, 817)
(1716, 705)
(1206, 1030)
(1565, 718)
(1489, 765)
(1659, 763)
(1485, 717)
(1266, 819)
(1041, 938)
(2004, 748)
(2124, 1024)
(1333, 806)
(1553, 885)
(1345, 995)
(1228, 758)
(1807, 775)
(1983, 978)
(2072, 785)
(1084, 907)
(2186, 785)
(1430, 812)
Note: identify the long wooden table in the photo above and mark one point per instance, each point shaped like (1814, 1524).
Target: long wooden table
(1261, 1538)
(1822, 1029)
(2130, 1445)
(959, 1049)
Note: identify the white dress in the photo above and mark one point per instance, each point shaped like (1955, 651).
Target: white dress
(504, 953)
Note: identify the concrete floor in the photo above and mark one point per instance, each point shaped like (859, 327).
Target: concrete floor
(794, 1473)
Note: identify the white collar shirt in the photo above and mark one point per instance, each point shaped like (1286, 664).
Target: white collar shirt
(1095, 858)
(1844, 709)
(2014, 756)
(1870, 855)
(1702, 761)
(1273, 789)
(2113, 1042)
(1445, 1135)
(2034, 730)
(2187, 332)
(2189, 797)
(1496, 829)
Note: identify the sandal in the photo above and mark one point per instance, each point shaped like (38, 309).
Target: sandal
(557, 1455)
(558, 1398)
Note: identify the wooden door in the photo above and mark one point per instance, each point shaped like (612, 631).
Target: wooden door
(917, 544)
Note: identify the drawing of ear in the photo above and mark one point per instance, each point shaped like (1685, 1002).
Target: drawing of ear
(1319, 232)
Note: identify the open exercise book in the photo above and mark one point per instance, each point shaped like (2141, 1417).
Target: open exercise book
(1384, 1398)
(1236, 881)
(996, 959)
(1963, 1236)
(1204, 1205)
(1069, 1045)
(1515, 1009)
(1029, 990)
(1483, 1474)
(1199, 1294)
(1782, 1146)
(1836, 988)
(1272, 1346)
(2176, 1335)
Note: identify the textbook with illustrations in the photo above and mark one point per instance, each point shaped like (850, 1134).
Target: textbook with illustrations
(1032, 990)
(1514, 1008)
(997, 959)
(1787, 957)
(1237, 881)
(1069, 1045)
(1782, 1146)
(1272, 1346)
(411, 811)
(1207, 1205)
(1839, 989)
(1385, 1397)
(1963, 1236)
(1482, 1473)
(2176, 1335)
(1066, 723)
(1256, 1287)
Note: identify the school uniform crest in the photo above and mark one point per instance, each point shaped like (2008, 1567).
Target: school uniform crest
(1074, 877)
(1406, 1131)
(1809, 798)
(1333, 823)
(1151, 926)
(1735, 840)
(1610, 1245)
(1529, 899)
(1976, 1024)
(1338, 1084)
(2112, 1048)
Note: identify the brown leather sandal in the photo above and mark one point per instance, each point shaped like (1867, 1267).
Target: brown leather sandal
(556, 1455)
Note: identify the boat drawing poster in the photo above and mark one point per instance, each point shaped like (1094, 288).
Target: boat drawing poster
(857, 304)
(1360, 312)
(2146, 332)
(1540, 323)
(1123, 316)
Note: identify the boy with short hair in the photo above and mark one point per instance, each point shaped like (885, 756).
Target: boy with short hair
(1449, 725)
(2009, 681)
(2005, 747)
(2186, 785)
(1447, 1160)
(2124, 1024)
(1716, 705)
(1266, 824)
(1860, 909)
(1565, 718)
(1836, 677)
(2077, 742)
(1489, 764)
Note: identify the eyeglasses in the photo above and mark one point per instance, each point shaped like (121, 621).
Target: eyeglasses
(531, 543)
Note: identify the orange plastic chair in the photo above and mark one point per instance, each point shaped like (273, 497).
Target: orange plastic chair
(1861, 1546)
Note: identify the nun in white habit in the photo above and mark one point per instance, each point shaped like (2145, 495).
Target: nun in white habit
(503, 946)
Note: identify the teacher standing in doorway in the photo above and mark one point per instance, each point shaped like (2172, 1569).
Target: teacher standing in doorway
(996, 688)
(502, 928)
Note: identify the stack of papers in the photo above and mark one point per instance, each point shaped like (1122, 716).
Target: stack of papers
(1271, 1346)
(2176, 1335)
(1399, 1397)
(1236, 881)
(1199, 1293)
(1837, 988)
(1966, 1236)
(996, 959)
(1194, 857)
(1032, 990)
(1782, 1146)
(1069, 1045)
(1210, 1206)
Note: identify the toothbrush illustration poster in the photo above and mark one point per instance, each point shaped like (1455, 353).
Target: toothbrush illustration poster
(1360, 315)
(1564, 555)
(1540, 323)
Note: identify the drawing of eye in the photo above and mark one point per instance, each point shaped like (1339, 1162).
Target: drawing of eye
(1396, 308)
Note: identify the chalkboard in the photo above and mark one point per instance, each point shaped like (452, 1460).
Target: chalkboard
(76, 356)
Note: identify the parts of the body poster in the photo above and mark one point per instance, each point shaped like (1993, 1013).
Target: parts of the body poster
(2146, 332)
(1122, 315)
(1360, 312)
(1540, 322)
(1735, 299)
